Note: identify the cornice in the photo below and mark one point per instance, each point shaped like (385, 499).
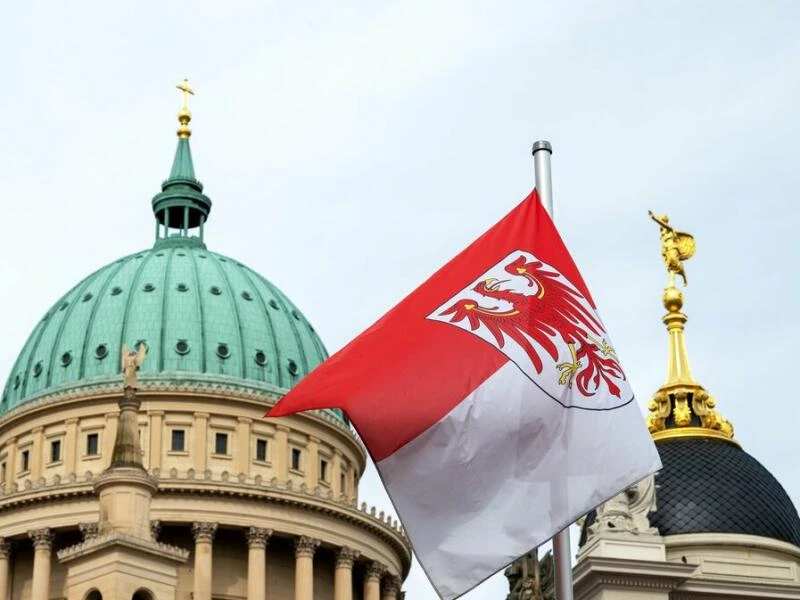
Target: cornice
(593, 574)
(319, 500)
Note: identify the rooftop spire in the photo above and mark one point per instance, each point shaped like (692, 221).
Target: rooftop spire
(681, 407)
(184, 114)
(181, 205)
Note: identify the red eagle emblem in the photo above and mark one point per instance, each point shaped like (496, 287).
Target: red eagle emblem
(532, 313)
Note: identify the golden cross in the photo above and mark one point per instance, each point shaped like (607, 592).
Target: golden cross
(184, 87)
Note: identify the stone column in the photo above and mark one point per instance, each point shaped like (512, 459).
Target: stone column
(257, 539)
(42, 546)
(372, 581)
(71, 446)
(391, 588)
(201, 441)
(281, 452)
(304, 548)
(11, 464)
(5, 555)
(343, 576)
(203, 538)
(156, 439)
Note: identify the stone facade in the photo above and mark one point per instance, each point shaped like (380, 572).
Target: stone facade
(240, 506)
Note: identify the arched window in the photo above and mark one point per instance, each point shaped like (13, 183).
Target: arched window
(94, 595)
(142, 595)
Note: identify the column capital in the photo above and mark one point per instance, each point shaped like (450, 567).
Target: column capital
(345, 557)
(155, 529)
(375, 571)
(305, 546)
(244, 420)
(71, 421)
(204, 532)
(391, 586)
(5, 548)
(258, 537)
(201, 415)
(42, 538)
(156, 413)
(284, 428)
(89, 530)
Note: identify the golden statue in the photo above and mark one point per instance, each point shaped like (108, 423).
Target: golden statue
(131, 361)
(676, 246)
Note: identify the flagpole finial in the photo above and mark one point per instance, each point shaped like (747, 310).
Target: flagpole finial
(681, 407)
(542, 145)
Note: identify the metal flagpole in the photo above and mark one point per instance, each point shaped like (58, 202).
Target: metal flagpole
(561, 546)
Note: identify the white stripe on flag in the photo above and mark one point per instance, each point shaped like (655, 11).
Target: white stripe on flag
(504, 471)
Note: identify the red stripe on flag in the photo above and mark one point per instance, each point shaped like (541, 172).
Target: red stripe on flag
(405, 373)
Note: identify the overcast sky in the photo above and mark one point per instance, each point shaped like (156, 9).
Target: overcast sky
(351, 148)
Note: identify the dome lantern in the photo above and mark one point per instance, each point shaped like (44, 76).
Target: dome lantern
(681, 407)
(181, 206)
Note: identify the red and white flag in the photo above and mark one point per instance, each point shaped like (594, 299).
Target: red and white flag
(492, 402)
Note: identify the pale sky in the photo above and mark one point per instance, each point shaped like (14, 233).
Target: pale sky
(351, 148)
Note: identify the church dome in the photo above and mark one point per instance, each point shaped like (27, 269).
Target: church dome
(713, 486)
(202, 316)
(199, 313)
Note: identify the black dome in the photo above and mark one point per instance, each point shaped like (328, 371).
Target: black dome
(712, 486)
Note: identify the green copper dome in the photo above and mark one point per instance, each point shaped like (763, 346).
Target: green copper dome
(201, 315)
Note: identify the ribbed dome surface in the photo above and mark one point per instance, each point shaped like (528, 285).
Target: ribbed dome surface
(708, 485)
(198, 312)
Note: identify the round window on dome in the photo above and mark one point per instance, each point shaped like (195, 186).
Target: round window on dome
(17, 381)
(182, 287)
(66, 359)
(182, 347)
(247, 296)
(223, 351)
(292, 367)
(37, 369)
(141, 343)
(63, 306)
(116, 290)
(101, 351)
(201, 256)
(148, 287)
(296, 315)
(181, 253)
(215, 290)
(159, 254)
(261, 358)
(274, 304)
(87, 296)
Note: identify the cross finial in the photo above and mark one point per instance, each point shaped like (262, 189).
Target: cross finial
(184, 114)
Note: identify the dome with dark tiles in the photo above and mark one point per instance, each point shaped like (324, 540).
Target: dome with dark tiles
(201, 315)
(712, 486)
